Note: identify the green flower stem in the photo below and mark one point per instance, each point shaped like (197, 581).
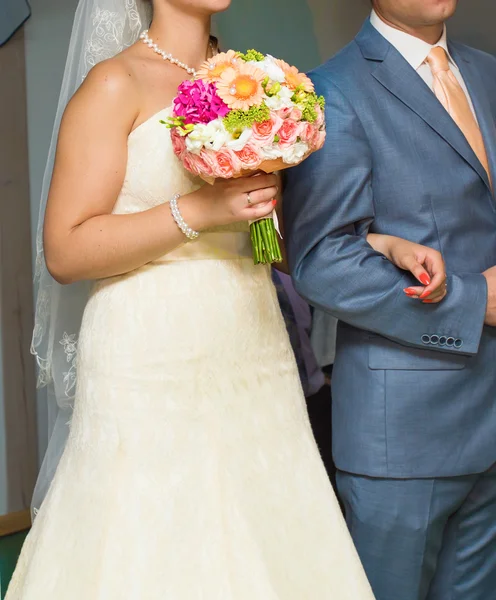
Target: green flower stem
(254, 246)
(266, 249)
(268, 239)
(255, 242)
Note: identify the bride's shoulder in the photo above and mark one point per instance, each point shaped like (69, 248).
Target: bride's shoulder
(114, 77)
(109, 90)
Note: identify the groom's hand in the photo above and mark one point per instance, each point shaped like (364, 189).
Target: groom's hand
(490, 276)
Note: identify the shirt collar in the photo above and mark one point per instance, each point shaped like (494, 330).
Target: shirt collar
(413, 49)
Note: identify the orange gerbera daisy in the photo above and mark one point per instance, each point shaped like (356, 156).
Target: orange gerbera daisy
(294, 78)
(241, 87)
(212, 69)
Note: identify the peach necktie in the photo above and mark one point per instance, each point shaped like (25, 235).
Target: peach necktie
(451, 95)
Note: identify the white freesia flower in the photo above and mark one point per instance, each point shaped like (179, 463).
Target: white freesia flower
(281, 100)
(269, 66)
(212, 136)
(241, 142)
(195, 140)
(294, 153)
(271, 152)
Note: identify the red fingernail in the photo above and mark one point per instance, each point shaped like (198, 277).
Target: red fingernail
(424, 295)
(274, 202)
(425, 279)
(427, 301)
(410, 292)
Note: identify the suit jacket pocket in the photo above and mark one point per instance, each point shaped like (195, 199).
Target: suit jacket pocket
(385, 354)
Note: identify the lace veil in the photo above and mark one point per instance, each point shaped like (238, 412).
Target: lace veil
(102, 28)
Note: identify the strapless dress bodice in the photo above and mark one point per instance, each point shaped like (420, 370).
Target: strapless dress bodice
(154, 175)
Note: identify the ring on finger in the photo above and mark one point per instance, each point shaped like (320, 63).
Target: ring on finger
(248, 199)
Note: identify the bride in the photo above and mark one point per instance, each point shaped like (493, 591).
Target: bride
(190, 470)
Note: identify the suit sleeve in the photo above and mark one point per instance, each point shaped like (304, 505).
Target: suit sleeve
(328, 208)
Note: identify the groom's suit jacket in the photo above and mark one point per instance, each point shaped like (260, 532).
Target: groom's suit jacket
(414, 385)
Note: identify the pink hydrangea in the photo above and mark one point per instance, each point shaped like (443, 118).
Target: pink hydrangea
(198, 102)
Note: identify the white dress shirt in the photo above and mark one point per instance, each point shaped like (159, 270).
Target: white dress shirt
(415, 51)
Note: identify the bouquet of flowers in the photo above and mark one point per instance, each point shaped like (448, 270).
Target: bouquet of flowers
(244, 113)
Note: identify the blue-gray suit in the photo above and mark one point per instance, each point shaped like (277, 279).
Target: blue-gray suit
(414, 385)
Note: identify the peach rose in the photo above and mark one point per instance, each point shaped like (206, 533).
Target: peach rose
(284, 112)
(196, 164)
(308, 132)
(296, 114)
(289, 132)
(227, 164)
(208, 157)
(264, 132)
(178, 143)
(250, 156)
(320, 116)
(318, 139)
(313, 136)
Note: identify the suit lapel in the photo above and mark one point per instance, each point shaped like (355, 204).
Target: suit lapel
(400, 79)
(478, 94)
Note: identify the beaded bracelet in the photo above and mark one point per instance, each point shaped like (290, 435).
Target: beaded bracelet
(191, 234)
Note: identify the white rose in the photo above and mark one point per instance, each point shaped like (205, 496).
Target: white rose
(268, 66)
(271, 152)
(281, 100)
(295, 153)
(241, 142)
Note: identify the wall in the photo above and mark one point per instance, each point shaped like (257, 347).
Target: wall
(304, 32)
(474, 24)
(3, 440)
(18, 426)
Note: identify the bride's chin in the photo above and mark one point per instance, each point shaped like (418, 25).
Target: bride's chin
(213, 6)
(201, 6)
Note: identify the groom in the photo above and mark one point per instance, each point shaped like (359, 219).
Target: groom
(411, 152)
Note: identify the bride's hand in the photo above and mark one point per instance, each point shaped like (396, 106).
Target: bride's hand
(426, 264)
(231, 201)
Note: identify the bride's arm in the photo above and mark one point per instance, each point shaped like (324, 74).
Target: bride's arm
(82, 239)
(426, 264)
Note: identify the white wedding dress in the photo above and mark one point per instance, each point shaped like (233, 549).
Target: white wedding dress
(191, 472)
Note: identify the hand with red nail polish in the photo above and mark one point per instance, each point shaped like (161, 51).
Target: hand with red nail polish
(425, 264)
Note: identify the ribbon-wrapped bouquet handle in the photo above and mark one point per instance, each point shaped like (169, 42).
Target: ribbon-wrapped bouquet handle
(245, 113)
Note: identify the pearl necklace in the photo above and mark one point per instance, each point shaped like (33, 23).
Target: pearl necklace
(166, 56)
